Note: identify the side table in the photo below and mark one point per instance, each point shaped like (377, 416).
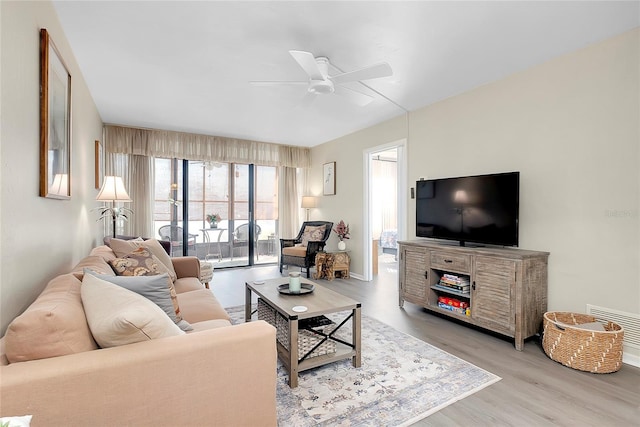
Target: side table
(207, 239)
(331, 262)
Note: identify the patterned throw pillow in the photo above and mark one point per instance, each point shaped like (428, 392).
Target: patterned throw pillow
(141, 262)
(312, 233)
(124, 247)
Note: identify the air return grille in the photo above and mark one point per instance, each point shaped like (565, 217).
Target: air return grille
(629, 321)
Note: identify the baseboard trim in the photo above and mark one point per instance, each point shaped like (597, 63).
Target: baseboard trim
(631, 359)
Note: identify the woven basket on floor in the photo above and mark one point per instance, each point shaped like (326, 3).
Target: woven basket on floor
(582, 349)
(307, 340)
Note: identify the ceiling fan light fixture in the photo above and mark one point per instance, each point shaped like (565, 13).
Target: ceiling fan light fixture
(321, 86)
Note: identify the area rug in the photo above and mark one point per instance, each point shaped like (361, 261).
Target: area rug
(402, 380)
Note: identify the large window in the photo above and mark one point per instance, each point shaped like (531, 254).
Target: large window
(224, 189)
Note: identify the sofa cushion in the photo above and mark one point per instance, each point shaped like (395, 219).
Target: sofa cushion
(210, 324)
(312, 233)
(53, 325)
(124, 247)
(201, 305)
(94, 263)
(299, 251)
(187, 284)
(155, 288)
(118, 316)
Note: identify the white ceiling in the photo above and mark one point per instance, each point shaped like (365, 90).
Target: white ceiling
(185, 66)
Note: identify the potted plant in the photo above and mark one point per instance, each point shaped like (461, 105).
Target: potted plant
(213, 220)
(342, 230)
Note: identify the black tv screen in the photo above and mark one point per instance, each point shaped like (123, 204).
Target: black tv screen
(479, 209)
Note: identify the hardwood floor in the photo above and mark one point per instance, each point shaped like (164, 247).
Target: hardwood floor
(534, 390)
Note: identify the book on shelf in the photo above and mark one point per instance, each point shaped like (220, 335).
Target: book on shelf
(465, 293)
(455, 280)
(460, 288)
(463, 311)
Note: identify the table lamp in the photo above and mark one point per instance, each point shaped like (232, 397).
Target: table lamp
(113, 191)
(308, 202)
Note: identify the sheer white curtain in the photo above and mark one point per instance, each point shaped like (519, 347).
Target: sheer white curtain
(289, 211)
(137, 175)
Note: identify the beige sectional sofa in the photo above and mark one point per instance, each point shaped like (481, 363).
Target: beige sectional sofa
(216, 374)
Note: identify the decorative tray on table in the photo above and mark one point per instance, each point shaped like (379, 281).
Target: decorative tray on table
(305, 288)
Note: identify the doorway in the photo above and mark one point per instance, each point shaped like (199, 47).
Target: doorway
(385, 207)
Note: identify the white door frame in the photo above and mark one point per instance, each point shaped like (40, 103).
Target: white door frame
(401, 146)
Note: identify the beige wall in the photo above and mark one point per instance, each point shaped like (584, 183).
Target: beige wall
(571, 126)
(40, 237)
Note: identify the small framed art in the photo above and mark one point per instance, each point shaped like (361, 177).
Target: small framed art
(329, 179)
(99, 162)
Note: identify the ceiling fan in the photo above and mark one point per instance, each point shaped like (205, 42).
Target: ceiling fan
(321, 83)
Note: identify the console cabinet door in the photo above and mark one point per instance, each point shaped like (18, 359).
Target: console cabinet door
(413, 283)
(493, 294)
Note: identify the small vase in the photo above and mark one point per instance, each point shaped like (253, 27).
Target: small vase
(342, 245)
(213, 224)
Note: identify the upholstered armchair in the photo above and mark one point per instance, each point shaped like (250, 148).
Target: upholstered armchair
(302, 250)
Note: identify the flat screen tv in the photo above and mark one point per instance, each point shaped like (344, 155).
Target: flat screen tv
(480, 209)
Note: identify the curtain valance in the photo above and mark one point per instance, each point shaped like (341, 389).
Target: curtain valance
(189, 146)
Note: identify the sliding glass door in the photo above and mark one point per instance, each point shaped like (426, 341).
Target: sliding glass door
(243, 199)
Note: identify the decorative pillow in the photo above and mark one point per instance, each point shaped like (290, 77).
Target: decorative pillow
(53, 325)
(312, 233)
(141, 263)
(94, 263)
(124, 247)
(118, 316)
(154, 288)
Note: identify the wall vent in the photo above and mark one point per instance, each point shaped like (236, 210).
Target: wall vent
(629, 321)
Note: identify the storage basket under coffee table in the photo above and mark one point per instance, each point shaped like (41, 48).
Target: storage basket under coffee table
(298, 348)
(581, 342)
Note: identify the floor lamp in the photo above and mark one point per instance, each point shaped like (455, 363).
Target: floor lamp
(113, 191)
(308, 202)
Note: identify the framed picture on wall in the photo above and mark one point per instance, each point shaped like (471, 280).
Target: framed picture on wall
(329, 179)
(99, 162)
(55, 122)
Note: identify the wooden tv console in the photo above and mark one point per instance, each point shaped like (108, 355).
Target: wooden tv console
(507, 287)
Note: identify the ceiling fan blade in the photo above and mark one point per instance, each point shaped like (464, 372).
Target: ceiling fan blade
(276, 83)
(372, 72)
(308, 63)
(354, 96)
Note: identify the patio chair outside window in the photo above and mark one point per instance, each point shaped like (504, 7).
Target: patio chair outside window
(174, 235)
(241, 237)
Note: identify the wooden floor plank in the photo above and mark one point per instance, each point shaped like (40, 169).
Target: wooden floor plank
(534, 390)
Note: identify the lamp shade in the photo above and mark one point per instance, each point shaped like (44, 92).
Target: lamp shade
(308, 202)
(113, 190)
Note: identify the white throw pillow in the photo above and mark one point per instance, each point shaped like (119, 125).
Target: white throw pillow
(118, 316)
